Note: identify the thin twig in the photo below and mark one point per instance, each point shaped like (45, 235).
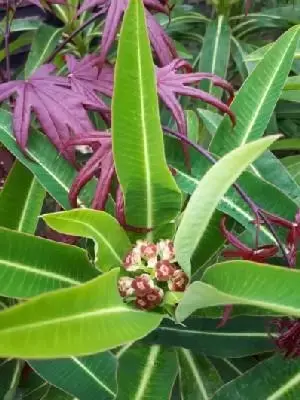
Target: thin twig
(6, 42)
(72, 35)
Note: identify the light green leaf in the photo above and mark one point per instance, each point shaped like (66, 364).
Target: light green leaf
(276, 378)
(199, 379)
(91, 377)
(52, 171)
(21, 200)
(111, 241)
(257, 98)
(243, 282)
(30, 265)
(146, 372)
(240, 337)
(215, 52)
(82, 320)
(44, 42)
(208, 194)
(151, 195)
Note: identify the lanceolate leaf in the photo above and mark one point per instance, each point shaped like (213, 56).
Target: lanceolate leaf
(244, 282)
(273, 379)
(53, 172)
(10, 371)
(215, 52)
(45, 40)
(151, 195)
(111, 241)
(241, 336)
(21, 200)
(30, 265)
(87, 319)
(146, 372)
(256, 100)
(91, 377)
(206, 197)
(199, 379)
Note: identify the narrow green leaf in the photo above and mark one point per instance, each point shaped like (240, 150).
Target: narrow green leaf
(240, 337)
(30, 265)
(199, 379)
(44, 42)
(23, 40)
(87, 319)
(10, 371)
(243, 282)
(256, 100)
(151, 195)
(91, 377)
(21, 200)
(215, 52)
(208, 194)
(286, 144)
(52, 171)
(111, 241)
(146, 372)
(273, 379)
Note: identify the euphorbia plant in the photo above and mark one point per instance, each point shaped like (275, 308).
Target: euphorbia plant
(142, 307)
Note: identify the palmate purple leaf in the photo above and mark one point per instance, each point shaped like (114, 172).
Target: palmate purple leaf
(60, 112)
(86, 80)
(101, 164)
(161, 43)
(170, 83)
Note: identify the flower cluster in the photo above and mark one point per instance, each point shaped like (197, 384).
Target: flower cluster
(151, 272)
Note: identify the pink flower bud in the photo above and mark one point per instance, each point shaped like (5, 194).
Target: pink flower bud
(142, 285)
(125, 286)
(164, 271)
(179, 281)
(166, 250)
(151, 300)
(132, 261)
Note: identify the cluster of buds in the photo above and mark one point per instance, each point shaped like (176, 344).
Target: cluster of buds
(151, 270)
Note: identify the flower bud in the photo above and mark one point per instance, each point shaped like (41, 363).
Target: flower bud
(166, 250)
(132, 261)
(125, 286)
(142, 285)
(148, 250)
(164, 271)
(151, 300)
(179, 281)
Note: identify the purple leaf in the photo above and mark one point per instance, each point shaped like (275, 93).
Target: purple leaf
(60, 112)
(160, 41)
(170, 83)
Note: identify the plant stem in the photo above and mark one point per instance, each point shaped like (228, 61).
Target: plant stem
(258, 212)
(72, 35)
(6, 42)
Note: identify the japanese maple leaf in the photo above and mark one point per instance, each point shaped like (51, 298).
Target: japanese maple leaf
(170, 84)
(86, 80)
(59, 111)
(162, 44)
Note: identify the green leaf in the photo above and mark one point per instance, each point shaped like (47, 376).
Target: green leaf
(273, 379)
(111, 241)
(241, 336)
(43, 44)
(286, 144)
(53, 172)
(82, 320)
(151, 195)
(199, 379)
(256, 100)
(215, 52)
(21, 200)
(292, 163)
(146, 372)
(10, 371)
(91, 377)
(209, 192)
(243, 282)
(231, 368)
(32, 265)
(23, 40)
